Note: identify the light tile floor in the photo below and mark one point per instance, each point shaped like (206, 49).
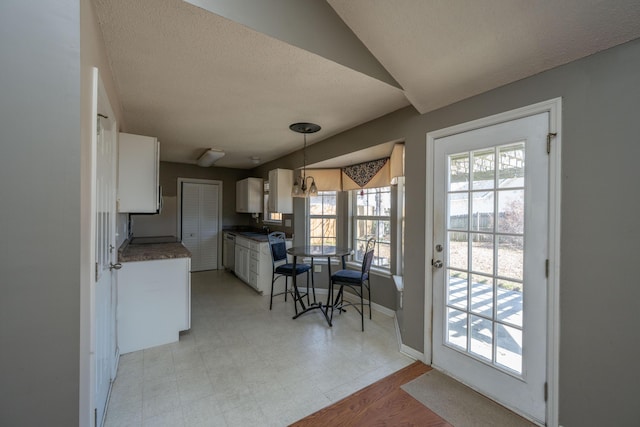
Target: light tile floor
(243, 365)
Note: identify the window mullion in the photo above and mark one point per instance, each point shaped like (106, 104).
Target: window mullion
(320, 204)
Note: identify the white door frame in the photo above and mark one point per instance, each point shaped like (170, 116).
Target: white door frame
(554, 108)
(100, 104)
(179, 209)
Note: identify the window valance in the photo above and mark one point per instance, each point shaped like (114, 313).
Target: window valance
(326, 179)
(372, 174)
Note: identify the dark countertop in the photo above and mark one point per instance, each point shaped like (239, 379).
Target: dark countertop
(257, 236)
(151, 251)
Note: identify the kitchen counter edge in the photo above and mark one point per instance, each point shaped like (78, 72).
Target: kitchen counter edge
(252, 236)
(151, 251)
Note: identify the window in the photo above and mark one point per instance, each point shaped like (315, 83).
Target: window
(323, 219)
(372, 218)
(273, 217)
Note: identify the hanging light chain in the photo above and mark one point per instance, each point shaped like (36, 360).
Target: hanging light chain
(304, 160)
(301, 182)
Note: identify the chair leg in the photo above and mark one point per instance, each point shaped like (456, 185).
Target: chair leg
(369, 290)
(338, 300)
(295, 295)
(286, 287)
(308, 303)
(273, 278)
(335, 301)
(362, 306)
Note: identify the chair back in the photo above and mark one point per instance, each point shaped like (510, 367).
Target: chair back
(278, 244)
(367, 260)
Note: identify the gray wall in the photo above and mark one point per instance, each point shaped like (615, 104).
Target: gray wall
(599, 286)
(170, 172)
(40, 167)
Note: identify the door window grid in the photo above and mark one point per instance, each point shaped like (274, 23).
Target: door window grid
(372, 218)
(484, 294)
(323, 219)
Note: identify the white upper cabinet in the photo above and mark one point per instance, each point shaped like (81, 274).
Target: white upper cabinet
(280, 183)
(138, 174)
(249, 195)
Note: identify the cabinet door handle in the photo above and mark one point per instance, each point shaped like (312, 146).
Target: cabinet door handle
(116, 266)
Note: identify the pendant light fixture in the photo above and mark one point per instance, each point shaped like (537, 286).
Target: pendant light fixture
(300, 188)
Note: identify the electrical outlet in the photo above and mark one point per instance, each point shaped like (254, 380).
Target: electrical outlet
(287, 223)
(317, 268)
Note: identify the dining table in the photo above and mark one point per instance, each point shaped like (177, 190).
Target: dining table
(313, 251)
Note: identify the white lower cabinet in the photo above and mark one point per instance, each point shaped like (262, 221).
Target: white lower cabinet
(253, 264)
(242, 259)
(154, 302)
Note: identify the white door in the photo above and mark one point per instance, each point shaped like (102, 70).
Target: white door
(200, 224)
(105, 257)
(490, 258)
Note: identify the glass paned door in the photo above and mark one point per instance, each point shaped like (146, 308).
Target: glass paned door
(490, 244)
(485, 237)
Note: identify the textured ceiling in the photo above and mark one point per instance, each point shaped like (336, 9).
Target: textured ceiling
(445, 51)
(198, 80)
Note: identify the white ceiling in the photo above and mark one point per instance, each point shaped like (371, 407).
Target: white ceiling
(235, 79)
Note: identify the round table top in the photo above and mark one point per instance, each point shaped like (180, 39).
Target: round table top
(318, 251)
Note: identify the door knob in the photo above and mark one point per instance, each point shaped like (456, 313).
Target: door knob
(437, 263)
(116, 266)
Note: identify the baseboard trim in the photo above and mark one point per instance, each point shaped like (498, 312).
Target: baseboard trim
(398, 334)
(352, 298)
(403, 348)
(412, 353)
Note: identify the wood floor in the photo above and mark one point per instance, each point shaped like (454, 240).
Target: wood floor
(383, 403)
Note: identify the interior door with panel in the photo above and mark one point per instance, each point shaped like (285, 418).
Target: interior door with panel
(200, 226)
(490, 254)
(104, 316)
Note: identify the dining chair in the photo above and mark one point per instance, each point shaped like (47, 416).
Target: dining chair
(282, 268)
(357, 281)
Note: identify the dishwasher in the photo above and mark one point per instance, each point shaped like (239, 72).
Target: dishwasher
(229, 251)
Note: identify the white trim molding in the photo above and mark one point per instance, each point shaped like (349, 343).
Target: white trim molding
(353, 298)
(405, 349)
(412, 353)
(402, 348)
